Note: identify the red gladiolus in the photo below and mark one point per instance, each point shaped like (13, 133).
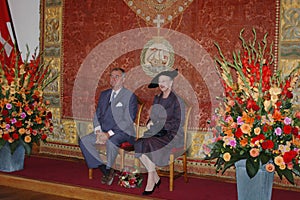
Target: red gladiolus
(6, 136)
(252, 80)
(34, 132)
(287, 129)
(239, 100)
(268, 144)
(252, 104)
(15, 136)
(244, 69)
(238, 133)
(7, 120)
(49, 115)
(287, 84)
(26, 108)
(245, 59)
(9, 79)
(265, 128)
(36, 98)
(259, 137)
(30, 84)
(255, 107)
(289, 94)
(31, 107)
(44, 137)
(288, 156)
(297, 114)
(18, 124)
(295, 131)
(278, 104)
(4, 112)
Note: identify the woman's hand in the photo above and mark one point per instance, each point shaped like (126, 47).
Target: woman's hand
(150, 123)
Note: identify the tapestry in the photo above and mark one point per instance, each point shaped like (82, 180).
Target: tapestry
(98, 36)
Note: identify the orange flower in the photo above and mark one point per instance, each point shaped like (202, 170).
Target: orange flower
(29, 112)
(282, 166)
(226, 156)
(290, 166)
(244, 142)
(270, 167)
(277, 115)
(19, 104)
(228, 132)
(38, 120)
(27, 139)
(254, 152)
(246, 128)
(278, 160)
(36, 92)
(257, 131)
(22, 131)
(227, 109)
(296, 141)
(248, 118)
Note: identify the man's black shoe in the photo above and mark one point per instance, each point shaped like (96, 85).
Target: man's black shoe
(104, 179)
(110, 177)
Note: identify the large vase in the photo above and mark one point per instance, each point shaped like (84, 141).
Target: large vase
(259, 187)
(11, 162)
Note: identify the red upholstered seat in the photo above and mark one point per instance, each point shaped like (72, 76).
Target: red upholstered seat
(177, 150)
(127, 146)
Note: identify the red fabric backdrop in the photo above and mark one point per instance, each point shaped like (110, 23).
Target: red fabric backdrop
(88, 24)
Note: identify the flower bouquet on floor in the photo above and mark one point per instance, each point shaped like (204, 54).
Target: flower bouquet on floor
(256, 120)
(129, 179)
(25, 116)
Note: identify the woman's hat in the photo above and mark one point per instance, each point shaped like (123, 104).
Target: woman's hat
(171, 74)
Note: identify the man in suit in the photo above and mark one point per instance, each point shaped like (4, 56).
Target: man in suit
(113, 125)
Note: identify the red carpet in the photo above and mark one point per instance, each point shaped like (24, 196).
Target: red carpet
(76, 173)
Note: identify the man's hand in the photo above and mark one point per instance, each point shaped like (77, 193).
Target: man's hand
(102, 137)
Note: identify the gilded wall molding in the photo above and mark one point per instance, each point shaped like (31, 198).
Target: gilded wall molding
(289, 41)
(64, 129)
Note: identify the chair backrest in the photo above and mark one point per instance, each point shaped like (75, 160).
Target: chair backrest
(138, 117)
(188, 109)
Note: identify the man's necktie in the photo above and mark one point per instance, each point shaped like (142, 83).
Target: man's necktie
(113, 96)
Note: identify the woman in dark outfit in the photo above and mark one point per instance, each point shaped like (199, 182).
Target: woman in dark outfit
(164, 129)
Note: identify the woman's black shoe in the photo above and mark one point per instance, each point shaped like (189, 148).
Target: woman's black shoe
(149, 192)
(156, 185)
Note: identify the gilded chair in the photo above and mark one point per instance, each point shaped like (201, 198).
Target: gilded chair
(126, 146)
(174, 152)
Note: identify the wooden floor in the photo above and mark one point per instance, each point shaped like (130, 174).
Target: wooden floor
(28, 189)
(10, 193)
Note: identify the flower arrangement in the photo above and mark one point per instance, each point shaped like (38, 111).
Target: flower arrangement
(256, 120)
(25, 118)
(130, 179)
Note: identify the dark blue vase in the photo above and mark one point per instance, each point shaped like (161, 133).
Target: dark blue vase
(259, 187)
(11, 162)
